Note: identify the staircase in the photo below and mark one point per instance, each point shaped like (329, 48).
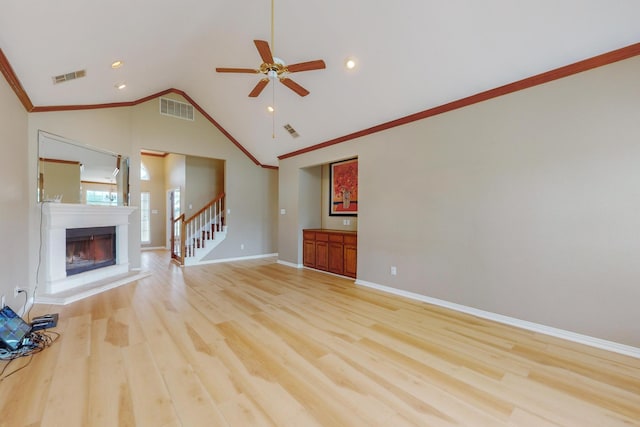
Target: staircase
(195, 237)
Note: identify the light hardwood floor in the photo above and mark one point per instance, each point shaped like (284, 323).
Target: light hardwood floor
(255, 343)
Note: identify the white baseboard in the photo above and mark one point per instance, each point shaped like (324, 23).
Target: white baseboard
(531, 326)
(244, 258)
(289, 264)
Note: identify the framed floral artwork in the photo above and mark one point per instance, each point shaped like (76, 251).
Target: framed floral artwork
(343, 179)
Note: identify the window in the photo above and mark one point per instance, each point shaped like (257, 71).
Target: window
(144, 172)
(102, 198)
(145, 217)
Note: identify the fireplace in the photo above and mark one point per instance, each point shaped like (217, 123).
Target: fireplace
(83, 244)
(90, 248)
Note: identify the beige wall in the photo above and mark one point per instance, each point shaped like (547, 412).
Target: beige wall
(175, 169)
(204, 181)
(61, 179)
(525, 205)
(198, 178)
(251, 194)
(157, 189)
(14, 196)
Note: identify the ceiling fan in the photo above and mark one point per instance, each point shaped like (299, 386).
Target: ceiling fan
(275, 68)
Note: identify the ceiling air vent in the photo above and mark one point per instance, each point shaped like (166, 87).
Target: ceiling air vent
(69, 76)
(291, 130)
(173, 108)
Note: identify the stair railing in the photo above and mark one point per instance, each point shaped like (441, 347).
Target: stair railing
(191, 233)
(177, 241)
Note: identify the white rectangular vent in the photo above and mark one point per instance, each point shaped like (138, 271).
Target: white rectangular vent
(69, 76)
(291, 131)
(173, 108)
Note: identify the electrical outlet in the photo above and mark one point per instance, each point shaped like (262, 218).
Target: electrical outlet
(16, 291)
(242, 246)
(394, 270)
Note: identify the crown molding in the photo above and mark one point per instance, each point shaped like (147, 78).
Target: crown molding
(143, 100)
(546, 77)
(14, 82)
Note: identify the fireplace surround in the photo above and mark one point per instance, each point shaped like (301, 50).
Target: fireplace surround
(60, 217)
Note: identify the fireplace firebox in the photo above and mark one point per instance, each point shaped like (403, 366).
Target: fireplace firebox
(90, 248)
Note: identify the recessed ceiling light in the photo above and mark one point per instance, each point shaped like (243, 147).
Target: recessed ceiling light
(350, 63)
(270, 109)
(120, 86)
(117, 64)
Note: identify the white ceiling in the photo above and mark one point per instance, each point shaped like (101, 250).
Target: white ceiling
(412, 55)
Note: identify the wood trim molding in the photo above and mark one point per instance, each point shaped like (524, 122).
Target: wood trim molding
(69, 162)
(558, 73)
(549, 76)
(14, 82)
(145, 99)
(146, 153)
(105, 184)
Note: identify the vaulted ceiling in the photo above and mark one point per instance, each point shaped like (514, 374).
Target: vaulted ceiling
(411, 55)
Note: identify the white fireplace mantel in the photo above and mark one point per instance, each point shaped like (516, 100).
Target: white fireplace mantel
(58, 217)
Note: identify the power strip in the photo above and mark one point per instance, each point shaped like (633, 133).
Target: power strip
(47, 321)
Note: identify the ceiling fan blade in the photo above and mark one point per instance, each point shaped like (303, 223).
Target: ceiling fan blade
(294, 86)
(264, 51)
(306, 66)
(259, 87)
(237, 70)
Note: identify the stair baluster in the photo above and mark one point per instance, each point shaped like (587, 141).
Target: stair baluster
(188, 235)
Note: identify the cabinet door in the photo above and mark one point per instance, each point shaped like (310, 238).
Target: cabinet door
(309, 253)
(336, 258)
(322, 255)
(350, 260)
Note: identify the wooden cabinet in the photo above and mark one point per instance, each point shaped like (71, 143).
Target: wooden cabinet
(309, 253)
(331, 250)
(350, 255)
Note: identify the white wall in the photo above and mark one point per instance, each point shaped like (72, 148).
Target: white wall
(14, 194)
(525, 205)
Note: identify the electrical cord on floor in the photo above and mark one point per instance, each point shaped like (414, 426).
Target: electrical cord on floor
(35, 289)
(34, 343)
(26, 299)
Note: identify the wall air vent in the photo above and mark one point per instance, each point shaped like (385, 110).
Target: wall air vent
(291, 130)
(173, 108)
(69, 76)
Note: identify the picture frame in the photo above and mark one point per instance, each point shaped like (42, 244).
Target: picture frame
(343, 188)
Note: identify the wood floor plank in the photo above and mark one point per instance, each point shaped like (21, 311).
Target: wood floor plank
(68, 399)
(152, 404)
(256, 343)
(109, 391)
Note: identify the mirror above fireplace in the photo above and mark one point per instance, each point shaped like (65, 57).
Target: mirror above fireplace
(72, 172)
